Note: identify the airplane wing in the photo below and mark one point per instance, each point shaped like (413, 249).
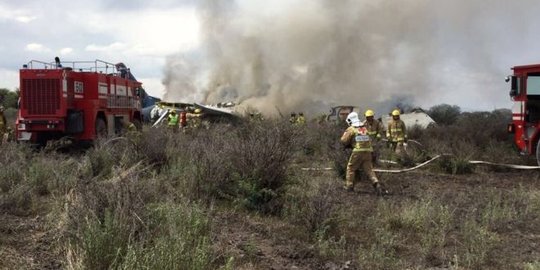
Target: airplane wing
(216, 111)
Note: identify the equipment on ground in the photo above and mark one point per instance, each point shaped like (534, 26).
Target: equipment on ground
(78, 100)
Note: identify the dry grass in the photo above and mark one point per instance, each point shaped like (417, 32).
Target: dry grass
(153, 201)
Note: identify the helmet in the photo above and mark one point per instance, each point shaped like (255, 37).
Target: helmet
(173, 111)
(369, 113)
(197, 110)
(353, 120)
(395, 112)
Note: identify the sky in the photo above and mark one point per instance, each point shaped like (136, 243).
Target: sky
(287, 54)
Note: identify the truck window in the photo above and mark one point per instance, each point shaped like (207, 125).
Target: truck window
(533, 85)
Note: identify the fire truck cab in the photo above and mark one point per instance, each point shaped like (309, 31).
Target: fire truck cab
(525, 92)
(76, 100)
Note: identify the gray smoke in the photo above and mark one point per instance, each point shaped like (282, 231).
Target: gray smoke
(308, 55)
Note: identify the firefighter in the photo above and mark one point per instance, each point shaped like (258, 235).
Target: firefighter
(131, 130)
(183, 119)
(292, 119)
(3, 124)
(130, 126)
(357, 137)
(173, 120)
(301, 120)
(375, 131)
(8, 136)
(195, 119)
(256, 117)
(396, 134)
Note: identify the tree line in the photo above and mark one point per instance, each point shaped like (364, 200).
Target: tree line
(9, 98)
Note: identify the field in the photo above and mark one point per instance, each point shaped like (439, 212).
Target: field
(240, 197)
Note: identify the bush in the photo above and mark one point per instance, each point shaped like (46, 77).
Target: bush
(444, 114)
(260, 159)
(247, 164)
(310, 204)
(180, 239)
(102, 218)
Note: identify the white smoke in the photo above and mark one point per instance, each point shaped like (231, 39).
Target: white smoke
(306, 55)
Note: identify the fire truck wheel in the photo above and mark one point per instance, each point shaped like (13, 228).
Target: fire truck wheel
(101, 128)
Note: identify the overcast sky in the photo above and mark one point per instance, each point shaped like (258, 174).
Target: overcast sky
(144, 34)
(139, 33)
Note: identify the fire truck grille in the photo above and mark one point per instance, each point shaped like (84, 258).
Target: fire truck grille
(41, 96)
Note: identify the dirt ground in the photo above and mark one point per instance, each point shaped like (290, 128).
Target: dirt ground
(271, 243)
(262, 242)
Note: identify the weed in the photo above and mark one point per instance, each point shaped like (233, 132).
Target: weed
(179, 240)
(532, 265)
(381, 253)
(476, 244)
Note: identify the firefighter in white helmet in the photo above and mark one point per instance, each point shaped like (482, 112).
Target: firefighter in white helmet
(357, 137)
(375, 131)
(396, 134)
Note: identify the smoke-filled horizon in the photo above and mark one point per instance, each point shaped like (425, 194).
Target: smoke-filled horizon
(308, 55)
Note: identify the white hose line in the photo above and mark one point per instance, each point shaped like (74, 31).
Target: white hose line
(408, 169)
(513, 166)
(521, 167)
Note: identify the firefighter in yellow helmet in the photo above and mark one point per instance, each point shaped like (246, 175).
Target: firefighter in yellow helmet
(375, 131)
(293, 118)
(357, 137)
(196, 120)
(3, 124)
(173, 120)
(300, 120)
(397, 134)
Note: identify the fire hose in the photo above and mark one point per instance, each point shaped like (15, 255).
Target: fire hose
(512, 166)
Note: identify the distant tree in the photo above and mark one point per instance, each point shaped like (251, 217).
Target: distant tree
(9, 98)
(444, 114)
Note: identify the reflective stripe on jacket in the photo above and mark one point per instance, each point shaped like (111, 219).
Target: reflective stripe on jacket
(362, 140)
(358, 138)
(396, 131)
(374, 129)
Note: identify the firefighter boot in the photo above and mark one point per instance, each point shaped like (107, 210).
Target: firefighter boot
(379, 189)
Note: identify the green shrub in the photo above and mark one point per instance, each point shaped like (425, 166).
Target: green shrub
(309, 204)
(380, 253)
(477, 241)
(180, 239)
(17, 201)
(532, 265)
(247, 164)
(444, 114)
(104, 243)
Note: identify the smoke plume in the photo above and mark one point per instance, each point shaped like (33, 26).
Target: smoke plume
(308, 55)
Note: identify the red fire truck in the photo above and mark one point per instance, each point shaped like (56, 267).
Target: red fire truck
(525, 92)
(76, 100)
